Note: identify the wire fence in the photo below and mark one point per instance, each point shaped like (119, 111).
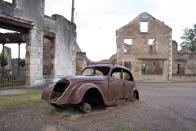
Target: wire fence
(12, 77)
(18, 77)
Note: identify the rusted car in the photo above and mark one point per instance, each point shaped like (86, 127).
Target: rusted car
(97, 84)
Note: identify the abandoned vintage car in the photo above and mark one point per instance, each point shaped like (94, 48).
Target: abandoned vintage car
(97, 84)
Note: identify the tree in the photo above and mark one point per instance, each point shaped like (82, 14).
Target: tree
(3, 60)
(189, 39)
(22, 62)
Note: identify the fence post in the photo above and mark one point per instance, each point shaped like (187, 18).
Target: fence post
(3, 53)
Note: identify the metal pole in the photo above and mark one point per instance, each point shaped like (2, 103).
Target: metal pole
(3, 55)
(18, 56)
(72, 11)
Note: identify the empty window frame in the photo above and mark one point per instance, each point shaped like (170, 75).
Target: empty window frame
(143, 27)
(128, 41)
(124, 47)
(116, 73)
(127, 44)
(151, 41)
(127, 64)
(180, 69)
(152, 67)
(127, 75)
(152, 45)
(48, 56)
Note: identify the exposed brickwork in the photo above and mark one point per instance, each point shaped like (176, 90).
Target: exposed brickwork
(141, 53)
(159, 61)
(184, 63)
(81, 61)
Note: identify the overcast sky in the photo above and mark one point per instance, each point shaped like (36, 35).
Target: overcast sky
(97, 20)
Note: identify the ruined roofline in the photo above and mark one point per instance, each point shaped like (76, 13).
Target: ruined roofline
(139, 16)
(106, 61)
(19, 24)
(10, 38)
(25, 21)
(57, 16)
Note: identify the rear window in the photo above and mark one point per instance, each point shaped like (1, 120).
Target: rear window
(96, 71)
(127, 75)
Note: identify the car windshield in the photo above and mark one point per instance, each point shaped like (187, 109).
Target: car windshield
(96, 71)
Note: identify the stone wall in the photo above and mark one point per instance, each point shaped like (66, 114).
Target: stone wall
(6, 8)
(81, 61)
(184, 64)
(64, 33)
(160, 48)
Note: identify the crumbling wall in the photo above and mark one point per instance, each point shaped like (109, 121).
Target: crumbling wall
(81, 61)
(184, 64)
(160, 49)
(6, 8)
(111, 60)
(65, 44)
(185, 61)
(64, 33)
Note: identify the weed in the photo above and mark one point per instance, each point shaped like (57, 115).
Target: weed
(126, 129)
(65, 113)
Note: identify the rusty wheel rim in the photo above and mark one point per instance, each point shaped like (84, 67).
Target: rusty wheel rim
(86, 108)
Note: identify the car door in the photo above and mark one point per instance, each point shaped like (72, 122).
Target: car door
(127, 83)
(116, 88)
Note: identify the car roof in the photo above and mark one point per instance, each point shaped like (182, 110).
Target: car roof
(108, 65)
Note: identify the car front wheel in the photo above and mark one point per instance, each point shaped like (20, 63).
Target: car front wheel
(86, 108)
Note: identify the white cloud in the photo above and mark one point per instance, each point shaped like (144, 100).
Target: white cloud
(14, 49)
(62, 7)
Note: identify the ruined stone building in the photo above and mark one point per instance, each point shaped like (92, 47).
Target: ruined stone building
(184, 64)
(81, 60)
(145, 46)
(50, 41)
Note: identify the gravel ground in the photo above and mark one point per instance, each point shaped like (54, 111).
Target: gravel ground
(162, 107)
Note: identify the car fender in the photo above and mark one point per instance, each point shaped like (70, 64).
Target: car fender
(47, 92)
(80, 91)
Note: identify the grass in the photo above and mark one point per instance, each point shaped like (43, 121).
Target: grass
(126, 129)
(53, 111)
(65, 113)
(20, 100)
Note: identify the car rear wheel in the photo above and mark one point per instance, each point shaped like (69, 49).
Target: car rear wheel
(134, 97)
(86, 108)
